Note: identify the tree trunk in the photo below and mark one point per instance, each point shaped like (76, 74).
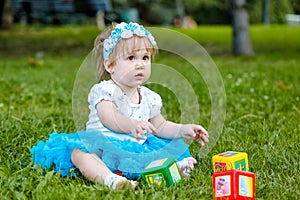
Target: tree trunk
(240, 25)
(265, 12)
(6, 15)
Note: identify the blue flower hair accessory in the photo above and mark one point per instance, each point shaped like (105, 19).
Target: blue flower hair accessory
(124, 31)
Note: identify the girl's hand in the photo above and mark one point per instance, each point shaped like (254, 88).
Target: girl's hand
(194, 132)
(140, 128)
(201, 135)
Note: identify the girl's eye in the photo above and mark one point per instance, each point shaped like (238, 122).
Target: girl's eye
(130, 57)
(146, 57)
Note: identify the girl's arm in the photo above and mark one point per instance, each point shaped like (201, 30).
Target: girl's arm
(110, 118)
(170, 130)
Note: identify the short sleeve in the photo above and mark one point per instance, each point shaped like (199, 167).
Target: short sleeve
(153, 100)
(101, 91)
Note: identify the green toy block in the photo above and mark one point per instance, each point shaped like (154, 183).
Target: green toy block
(163, 172)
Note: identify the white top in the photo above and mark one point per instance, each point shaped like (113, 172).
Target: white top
(149, 107)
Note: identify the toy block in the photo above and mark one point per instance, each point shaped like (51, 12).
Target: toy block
(230, 160)
(163, 172)
(234, 185)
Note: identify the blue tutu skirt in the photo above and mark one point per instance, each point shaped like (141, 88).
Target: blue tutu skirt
(125, 156)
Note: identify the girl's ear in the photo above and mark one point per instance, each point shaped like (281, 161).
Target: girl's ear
(108, 66)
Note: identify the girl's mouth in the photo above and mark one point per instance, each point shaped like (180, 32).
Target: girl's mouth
(140, 75)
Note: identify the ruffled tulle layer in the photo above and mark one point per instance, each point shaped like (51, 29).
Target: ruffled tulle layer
(56, 151)
(126, 156)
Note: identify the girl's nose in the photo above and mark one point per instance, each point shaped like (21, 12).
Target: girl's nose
(139, 64)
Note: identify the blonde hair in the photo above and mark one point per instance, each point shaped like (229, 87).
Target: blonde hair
(124, 46)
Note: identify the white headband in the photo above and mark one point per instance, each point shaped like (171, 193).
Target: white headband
(124, 30)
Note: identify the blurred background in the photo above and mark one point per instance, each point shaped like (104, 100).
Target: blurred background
(238, 15)
(160, 12)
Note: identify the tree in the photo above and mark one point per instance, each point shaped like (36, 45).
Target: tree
(265, 12)
(240, 26)
(6, 19)
(296, 6)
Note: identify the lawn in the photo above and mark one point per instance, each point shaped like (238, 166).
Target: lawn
(262, 110)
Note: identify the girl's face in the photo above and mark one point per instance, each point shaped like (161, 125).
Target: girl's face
(132, 69)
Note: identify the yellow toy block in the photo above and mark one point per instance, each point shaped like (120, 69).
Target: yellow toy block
(230, 160)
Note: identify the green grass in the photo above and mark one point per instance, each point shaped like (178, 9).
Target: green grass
(262, 114)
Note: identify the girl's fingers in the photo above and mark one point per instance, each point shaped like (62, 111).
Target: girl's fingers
(140, 131)
(149, 128)
(199, 141)
(136, 135)
(202, 131)
(201, 136)
(205, 137)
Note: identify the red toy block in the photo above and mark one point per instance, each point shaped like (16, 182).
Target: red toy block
(234, 185)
